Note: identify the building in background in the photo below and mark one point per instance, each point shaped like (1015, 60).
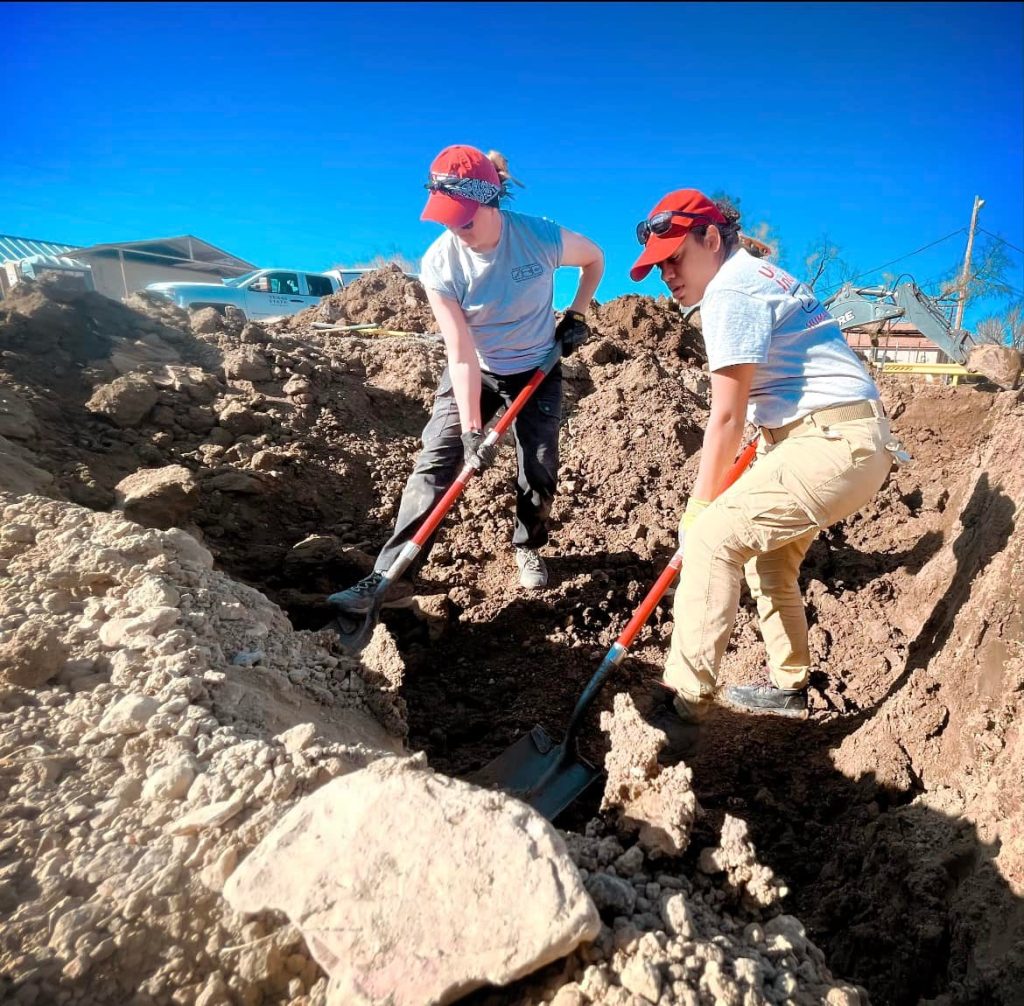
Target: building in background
(900, 342)
(119, 269)
(32, 258)
(122, 268)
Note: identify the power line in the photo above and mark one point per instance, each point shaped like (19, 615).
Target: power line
(917, 251)
(1009, 244)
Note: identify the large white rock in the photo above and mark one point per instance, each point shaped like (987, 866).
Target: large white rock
(412, 888)
(130, 715)
(152, 622)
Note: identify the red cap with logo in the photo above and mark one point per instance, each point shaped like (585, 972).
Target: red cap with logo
(461, 180)
(657, 248)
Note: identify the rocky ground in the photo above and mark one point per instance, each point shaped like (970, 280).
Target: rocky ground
(180, 492)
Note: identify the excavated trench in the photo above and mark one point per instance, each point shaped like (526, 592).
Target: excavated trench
(893, 813)
(887, 878)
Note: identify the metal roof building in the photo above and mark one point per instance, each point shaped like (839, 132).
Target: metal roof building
(122, 267)
(12, 249)
(119, 268)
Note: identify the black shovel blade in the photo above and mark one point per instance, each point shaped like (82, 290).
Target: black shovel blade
(354, 631)
(539, 772)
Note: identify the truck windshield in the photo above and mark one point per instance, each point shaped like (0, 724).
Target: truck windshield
(241, 280)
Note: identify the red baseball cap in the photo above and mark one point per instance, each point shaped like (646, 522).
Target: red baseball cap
(658, 248)
(461, 162)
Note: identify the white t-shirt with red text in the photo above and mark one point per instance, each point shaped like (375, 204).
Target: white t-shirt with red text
(755, 312)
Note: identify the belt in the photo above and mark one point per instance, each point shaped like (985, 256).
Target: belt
(864, 409)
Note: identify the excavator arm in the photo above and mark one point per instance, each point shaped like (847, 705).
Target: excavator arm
(866, 306)
(877, 306)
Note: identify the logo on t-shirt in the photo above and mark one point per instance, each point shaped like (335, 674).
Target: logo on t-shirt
(525, 272)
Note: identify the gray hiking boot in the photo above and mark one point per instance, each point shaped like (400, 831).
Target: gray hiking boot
(359, 597)
(768, 699)
(533, 574)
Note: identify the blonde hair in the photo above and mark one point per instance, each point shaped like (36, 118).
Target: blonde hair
(500, 162)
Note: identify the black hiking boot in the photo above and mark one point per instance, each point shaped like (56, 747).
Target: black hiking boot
(668, 703)
(690, 712)
(768, 699)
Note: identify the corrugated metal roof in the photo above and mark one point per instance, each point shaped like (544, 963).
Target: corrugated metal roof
(12, 248)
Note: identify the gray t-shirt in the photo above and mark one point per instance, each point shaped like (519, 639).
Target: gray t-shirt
(755, 312)
(505, 293)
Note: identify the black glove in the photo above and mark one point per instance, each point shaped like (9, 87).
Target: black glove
(476, 455)
(572, 331)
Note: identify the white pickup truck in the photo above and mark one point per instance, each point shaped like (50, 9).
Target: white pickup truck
(265, 293)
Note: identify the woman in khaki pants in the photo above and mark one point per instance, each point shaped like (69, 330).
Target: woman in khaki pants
(777, 358)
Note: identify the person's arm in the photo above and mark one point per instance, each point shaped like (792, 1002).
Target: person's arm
(463, 365)
(582, 252)
(730, 389)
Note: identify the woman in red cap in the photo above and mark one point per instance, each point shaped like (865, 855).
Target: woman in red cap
(778, 359)
(489, 280)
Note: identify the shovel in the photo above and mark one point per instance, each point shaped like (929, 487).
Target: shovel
(549, 776)
(355, 630)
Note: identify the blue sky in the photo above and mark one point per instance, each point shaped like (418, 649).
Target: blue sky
(300, 135)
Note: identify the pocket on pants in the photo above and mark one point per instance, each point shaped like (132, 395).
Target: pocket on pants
(775, 516)
(837, 473)
(550, 410)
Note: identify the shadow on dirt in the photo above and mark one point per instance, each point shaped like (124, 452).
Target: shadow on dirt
(904, 896)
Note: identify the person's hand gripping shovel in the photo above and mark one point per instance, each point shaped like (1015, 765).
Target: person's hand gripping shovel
(354, 630)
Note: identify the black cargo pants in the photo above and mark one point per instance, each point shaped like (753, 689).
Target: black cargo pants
(536, 436)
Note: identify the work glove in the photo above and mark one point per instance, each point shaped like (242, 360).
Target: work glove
(694, 508)
(572, 331)
(476, 455)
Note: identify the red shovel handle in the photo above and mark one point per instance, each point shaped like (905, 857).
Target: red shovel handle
(657, 592)
(429, 526)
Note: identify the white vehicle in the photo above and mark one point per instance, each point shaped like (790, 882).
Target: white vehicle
(265, 293)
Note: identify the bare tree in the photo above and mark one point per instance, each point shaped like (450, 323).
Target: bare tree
(1007, 330)
(989, 267)
(823, 262)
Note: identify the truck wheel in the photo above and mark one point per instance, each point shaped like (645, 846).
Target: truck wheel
(219, 308)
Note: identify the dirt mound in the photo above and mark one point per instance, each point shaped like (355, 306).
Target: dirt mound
(892, 816)
(51, 333)
(655, 324)
(146, 754)
(99, 389)
(384, 297)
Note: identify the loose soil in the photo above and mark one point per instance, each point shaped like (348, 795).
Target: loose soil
(893, 815)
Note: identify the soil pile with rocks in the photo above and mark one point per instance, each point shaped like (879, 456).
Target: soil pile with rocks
(890, 822)
(385, 297)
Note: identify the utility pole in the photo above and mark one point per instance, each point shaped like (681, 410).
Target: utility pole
(966, 274)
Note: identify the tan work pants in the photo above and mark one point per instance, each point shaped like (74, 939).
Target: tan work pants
(763, 527)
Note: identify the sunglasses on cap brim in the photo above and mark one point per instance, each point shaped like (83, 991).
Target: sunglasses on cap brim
(661, 224)
(441, 183)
